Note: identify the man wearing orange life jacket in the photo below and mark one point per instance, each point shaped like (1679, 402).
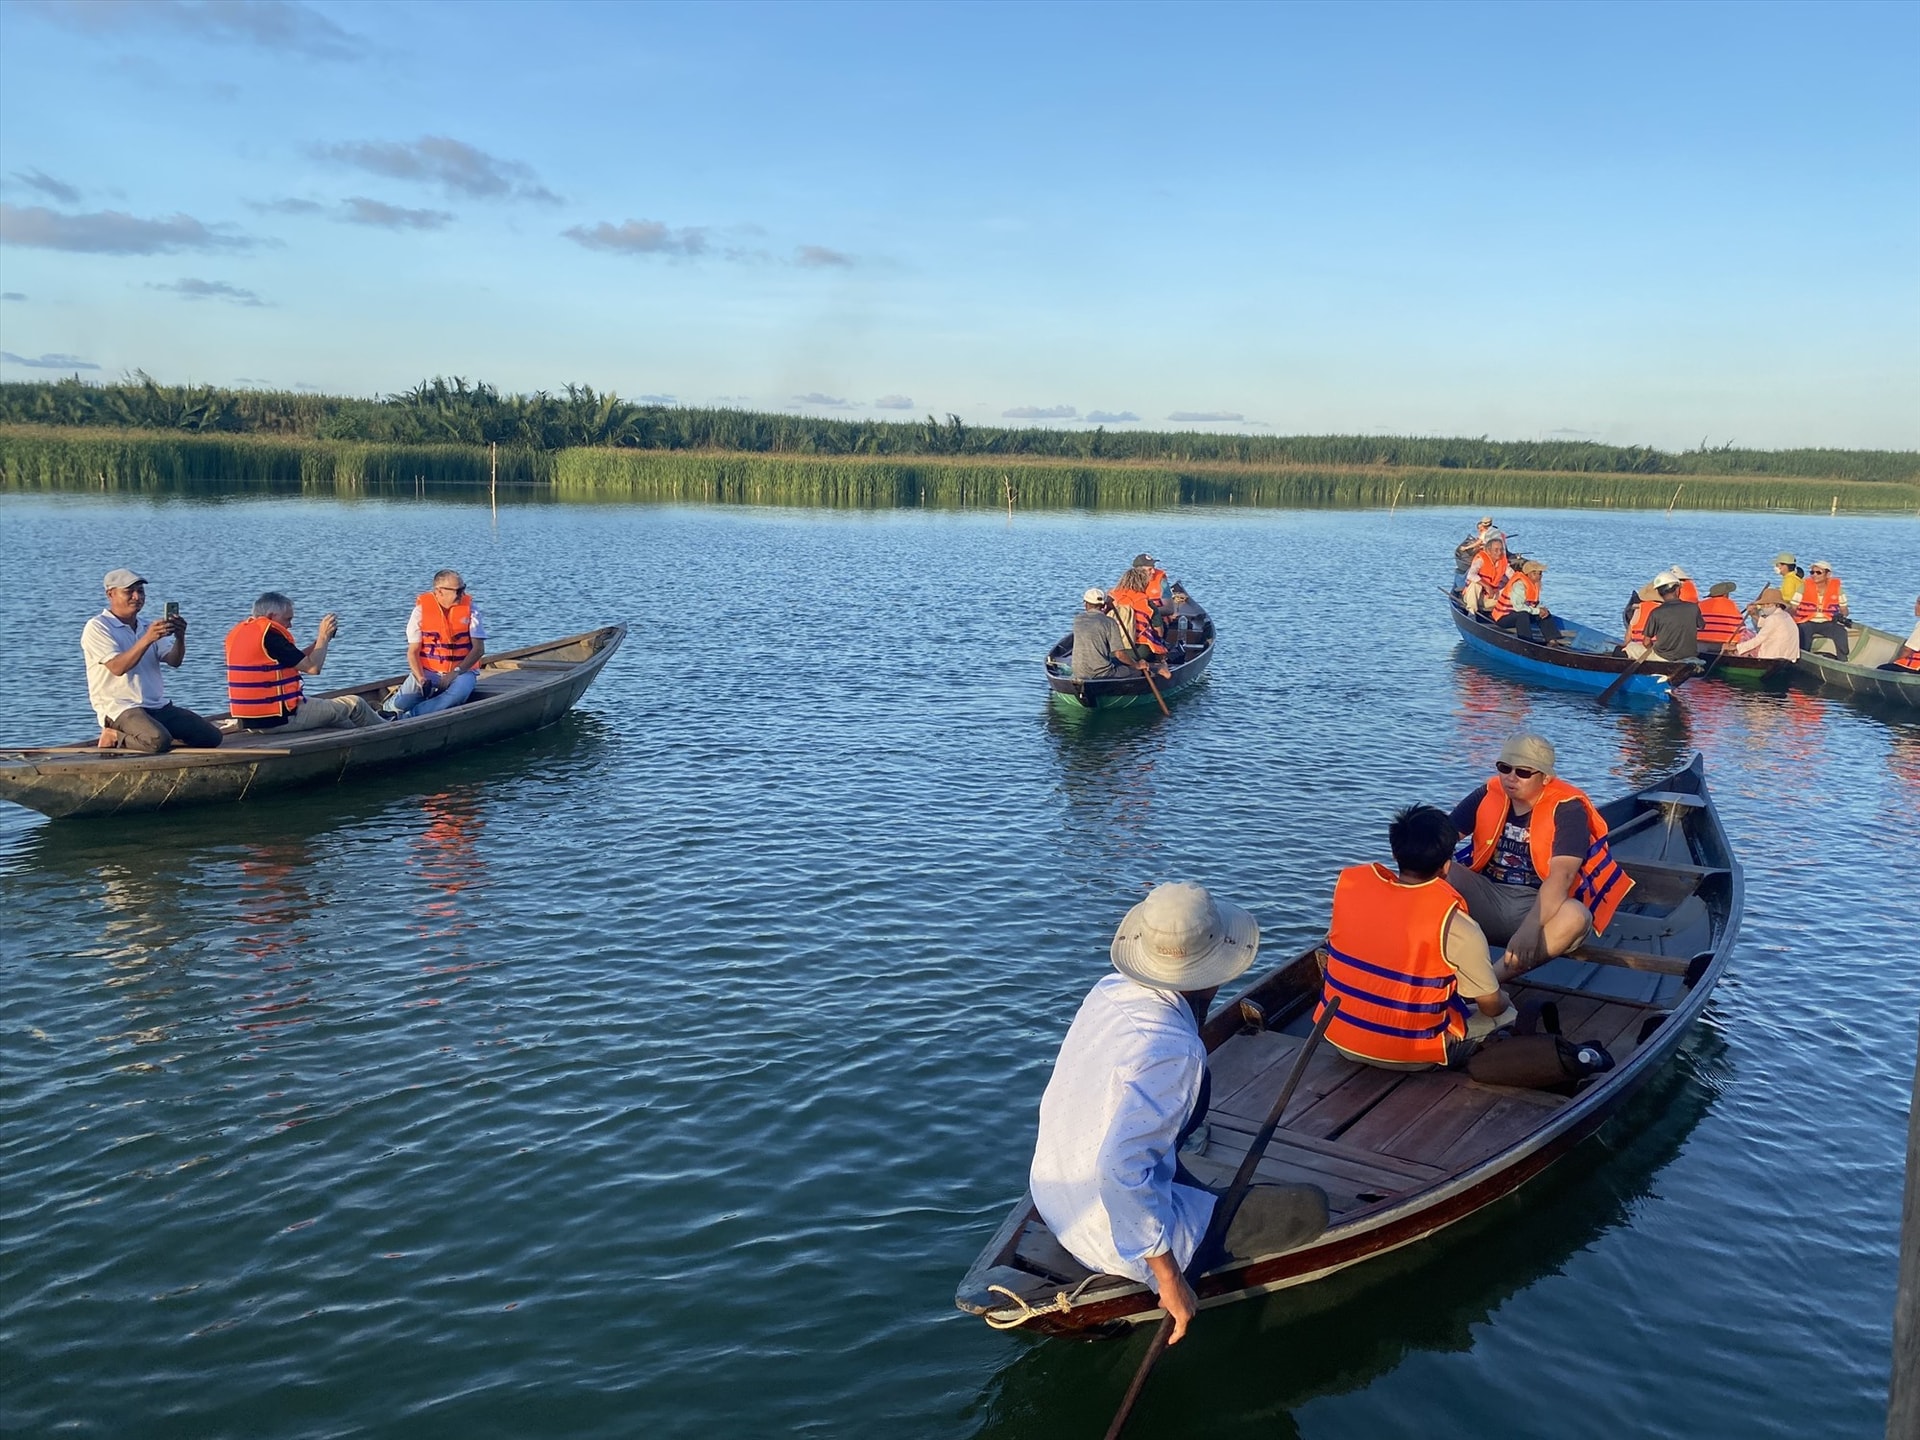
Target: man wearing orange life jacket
(445, 640)
(1534, 870)
(1720, 619)
(1156, 577)
(1410, 967)
(1689, 591)
(1518, 608)
(264, 666)
(1907, 658)
(1821, 609)
(1487, 575)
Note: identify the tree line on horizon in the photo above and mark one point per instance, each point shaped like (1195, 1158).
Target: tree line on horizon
(456, 411)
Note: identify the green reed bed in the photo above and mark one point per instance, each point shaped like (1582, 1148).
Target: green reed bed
(44, 458)
(968, 484)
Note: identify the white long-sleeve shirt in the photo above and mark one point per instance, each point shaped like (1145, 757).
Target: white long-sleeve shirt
(1778, 638)
(1126, 1079)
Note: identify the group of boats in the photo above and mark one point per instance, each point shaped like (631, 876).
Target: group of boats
(1590, 659)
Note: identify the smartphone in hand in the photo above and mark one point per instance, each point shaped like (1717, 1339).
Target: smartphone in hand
(173, 610)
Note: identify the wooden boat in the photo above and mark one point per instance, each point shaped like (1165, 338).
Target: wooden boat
(1590, 660)
(518, 691)
(1718, 664)
(1867, 649)
(1402, 1155)
(1188, 664)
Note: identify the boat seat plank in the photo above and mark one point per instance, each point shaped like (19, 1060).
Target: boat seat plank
(1334, 1149)
(1039, 1252)
(1673, 797)
(1348, 1186)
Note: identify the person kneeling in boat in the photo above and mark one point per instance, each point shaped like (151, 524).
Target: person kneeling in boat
(1518, 607)
(1775, 635)
(124, 684)
(1535, 869)
(1906, 660)
(264, 666)
(1130, 1085)
(445, 639)
(1672, 626)
(1415, 981)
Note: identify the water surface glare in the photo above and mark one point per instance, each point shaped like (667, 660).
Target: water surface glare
(661, 1072)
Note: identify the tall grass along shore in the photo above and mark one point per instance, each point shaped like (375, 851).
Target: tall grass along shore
(140, 435)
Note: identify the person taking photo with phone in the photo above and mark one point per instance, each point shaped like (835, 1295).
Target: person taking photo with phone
(124, 684)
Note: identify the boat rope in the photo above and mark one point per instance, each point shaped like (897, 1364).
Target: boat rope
(1059, 1305)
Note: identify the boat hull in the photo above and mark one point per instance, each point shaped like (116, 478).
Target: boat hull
(83, 783)
(1859, 674)
(1080, 696)
(1589, 664)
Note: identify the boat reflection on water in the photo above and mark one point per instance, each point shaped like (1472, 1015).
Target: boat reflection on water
(446, 862)
(1341, 1334)
(1107, 764)
(273, 904)
(1654, 741)
(1487, 708)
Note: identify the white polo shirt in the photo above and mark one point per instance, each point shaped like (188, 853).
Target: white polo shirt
(141, 687)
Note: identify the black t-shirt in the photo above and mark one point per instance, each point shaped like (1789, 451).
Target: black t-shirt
(1512, 862)
(1673, 629)
(281, 651)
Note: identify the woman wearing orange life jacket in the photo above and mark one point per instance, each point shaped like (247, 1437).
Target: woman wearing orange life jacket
(1133, 608)
(1721, 622)
(1415, 982)
(446, 639)
(1486, 576)
(1535, 869)
(1822, 609)
(1518, 608)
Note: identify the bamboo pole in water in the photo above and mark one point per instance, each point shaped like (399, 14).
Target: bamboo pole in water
(1903, 1395)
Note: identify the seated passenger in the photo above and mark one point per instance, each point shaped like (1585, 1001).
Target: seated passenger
(1100, 649)
(1129, 1085)
(1720, 621)
(1672, 626)
(264, 666)
(1775, 635)
(1518, 608)
(1689, 591)
(129, 696)
(445, 639)
(1487, 575)
(1821, 609)
(1907, 657)
(1534, 869)
(1789, 577)
(1138, 617)
(1467, 549)
(1406, 959)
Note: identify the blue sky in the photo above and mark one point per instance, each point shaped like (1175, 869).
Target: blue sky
(1636, 223)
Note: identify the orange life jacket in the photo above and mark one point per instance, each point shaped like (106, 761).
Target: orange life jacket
(1386, 960)
(1489, 571)
(1637, 627)
(1600, 885)
(1135, 613)
(1908, 662)
(446, 636)
(1503, 605)
(1720, 620)
(1690, 591)
(1818, 601)
(1156, 584)
(258, 686)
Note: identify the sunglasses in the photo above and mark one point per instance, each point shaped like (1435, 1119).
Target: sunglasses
(1519, 772)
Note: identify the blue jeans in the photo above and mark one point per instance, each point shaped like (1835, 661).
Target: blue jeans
(410, 699)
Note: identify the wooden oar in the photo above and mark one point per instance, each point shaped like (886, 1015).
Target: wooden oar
(1223, 1214)
(1621, 679)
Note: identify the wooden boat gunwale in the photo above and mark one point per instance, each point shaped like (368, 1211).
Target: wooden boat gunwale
(1127, 692)
(1286, 994)
(83, 781)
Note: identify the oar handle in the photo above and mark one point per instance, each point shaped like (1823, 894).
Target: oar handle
(1223, 1213)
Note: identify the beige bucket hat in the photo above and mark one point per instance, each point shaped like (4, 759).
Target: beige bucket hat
(1181, 938)
(1535, 752)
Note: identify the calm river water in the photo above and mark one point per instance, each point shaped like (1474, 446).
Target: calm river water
(660, 1073)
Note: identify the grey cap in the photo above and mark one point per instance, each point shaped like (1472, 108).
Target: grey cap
(123, 580)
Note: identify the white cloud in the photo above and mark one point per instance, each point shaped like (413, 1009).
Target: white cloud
(1040, 412)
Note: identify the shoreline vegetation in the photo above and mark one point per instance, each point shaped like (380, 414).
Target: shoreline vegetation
(139, 436)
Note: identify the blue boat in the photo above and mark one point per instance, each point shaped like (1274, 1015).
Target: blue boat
(1587, 660)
